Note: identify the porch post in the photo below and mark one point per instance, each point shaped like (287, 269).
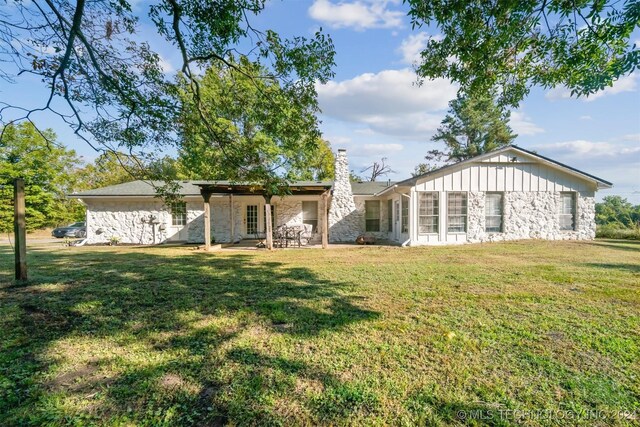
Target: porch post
(232, 220)
(207, 219)
(267, 219)
(325, 223)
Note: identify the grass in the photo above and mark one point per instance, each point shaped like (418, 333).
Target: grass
(476, 334)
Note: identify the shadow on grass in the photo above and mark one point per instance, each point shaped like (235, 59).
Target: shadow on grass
(185, 312)
(633, 268)
(623, 245)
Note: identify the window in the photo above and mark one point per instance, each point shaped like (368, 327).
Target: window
(493, 213)
(405, 214)
(372, 215)
(457, 212)
(310, 215)
(427, 213)
(389, 215)
(178, 213)
(567, 211)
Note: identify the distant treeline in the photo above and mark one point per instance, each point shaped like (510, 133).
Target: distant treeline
(616, 218)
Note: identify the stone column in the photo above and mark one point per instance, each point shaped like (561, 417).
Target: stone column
(344, 219)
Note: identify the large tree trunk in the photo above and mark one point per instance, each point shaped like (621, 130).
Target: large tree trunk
(267, 220)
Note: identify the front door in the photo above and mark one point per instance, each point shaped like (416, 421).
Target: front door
(251, 221)
(396, 220)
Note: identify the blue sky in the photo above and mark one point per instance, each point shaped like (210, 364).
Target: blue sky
(374, 109)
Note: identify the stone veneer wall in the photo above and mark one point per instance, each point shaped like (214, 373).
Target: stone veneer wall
(128, 220)
(531, 215)
(384, 223)
(344, 217)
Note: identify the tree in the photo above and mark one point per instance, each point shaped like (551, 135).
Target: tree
(254, 130)
(423, 168)
(248, 128)
(47, 168)
(109, 168)
(378, 169)
(110, 87)
(473, 125)
(319, 164)
(510, 46)
(617, 211)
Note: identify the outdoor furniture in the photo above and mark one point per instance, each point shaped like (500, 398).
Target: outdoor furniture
(307, 233)
(284, 235)
(365, 239)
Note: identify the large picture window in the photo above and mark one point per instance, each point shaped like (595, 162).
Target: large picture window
(428, 212)
(493, 213)
(567, 211)
(457, 212)
(372, 215)
(178, 213)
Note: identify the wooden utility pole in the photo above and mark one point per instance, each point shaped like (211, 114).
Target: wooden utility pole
(19, 228)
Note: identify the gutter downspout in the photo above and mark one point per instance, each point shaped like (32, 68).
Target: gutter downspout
(406, 242)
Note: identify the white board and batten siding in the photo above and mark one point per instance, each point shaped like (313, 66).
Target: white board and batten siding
(504, 172)
(487, 176)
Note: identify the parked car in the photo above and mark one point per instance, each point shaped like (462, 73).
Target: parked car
(77, 229)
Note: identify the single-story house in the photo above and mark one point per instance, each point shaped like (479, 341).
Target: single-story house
(507, 194)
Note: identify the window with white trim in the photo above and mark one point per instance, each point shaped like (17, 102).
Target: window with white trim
(178, 213)
(567, 211)
(493, 213)
(456, 212)
(405, 214)
(372, 215)
(389, 215)
(428, 208)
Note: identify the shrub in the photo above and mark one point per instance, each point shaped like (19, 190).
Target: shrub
(611, 231)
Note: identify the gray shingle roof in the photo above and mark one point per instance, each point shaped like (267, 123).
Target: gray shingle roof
(138, 188)
(369, 188)
(148, 188)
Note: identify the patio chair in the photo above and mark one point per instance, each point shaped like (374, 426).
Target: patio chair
(307, 233)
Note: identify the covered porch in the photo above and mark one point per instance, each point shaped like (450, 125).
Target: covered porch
(246, 213)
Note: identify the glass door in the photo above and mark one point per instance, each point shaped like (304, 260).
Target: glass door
(252, 220)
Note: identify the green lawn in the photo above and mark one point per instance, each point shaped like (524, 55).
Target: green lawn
(362, 335)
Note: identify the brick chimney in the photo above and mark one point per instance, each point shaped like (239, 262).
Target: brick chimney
(344, 219)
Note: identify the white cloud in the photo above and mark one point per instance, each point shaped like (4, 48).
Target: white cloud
(412, 46)
(389, 102)
(590, 149)
(379, 149)
(587, 117)
(635, 137)
(359, 15)
(522, 124)
(627, 83)
(165, 65)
